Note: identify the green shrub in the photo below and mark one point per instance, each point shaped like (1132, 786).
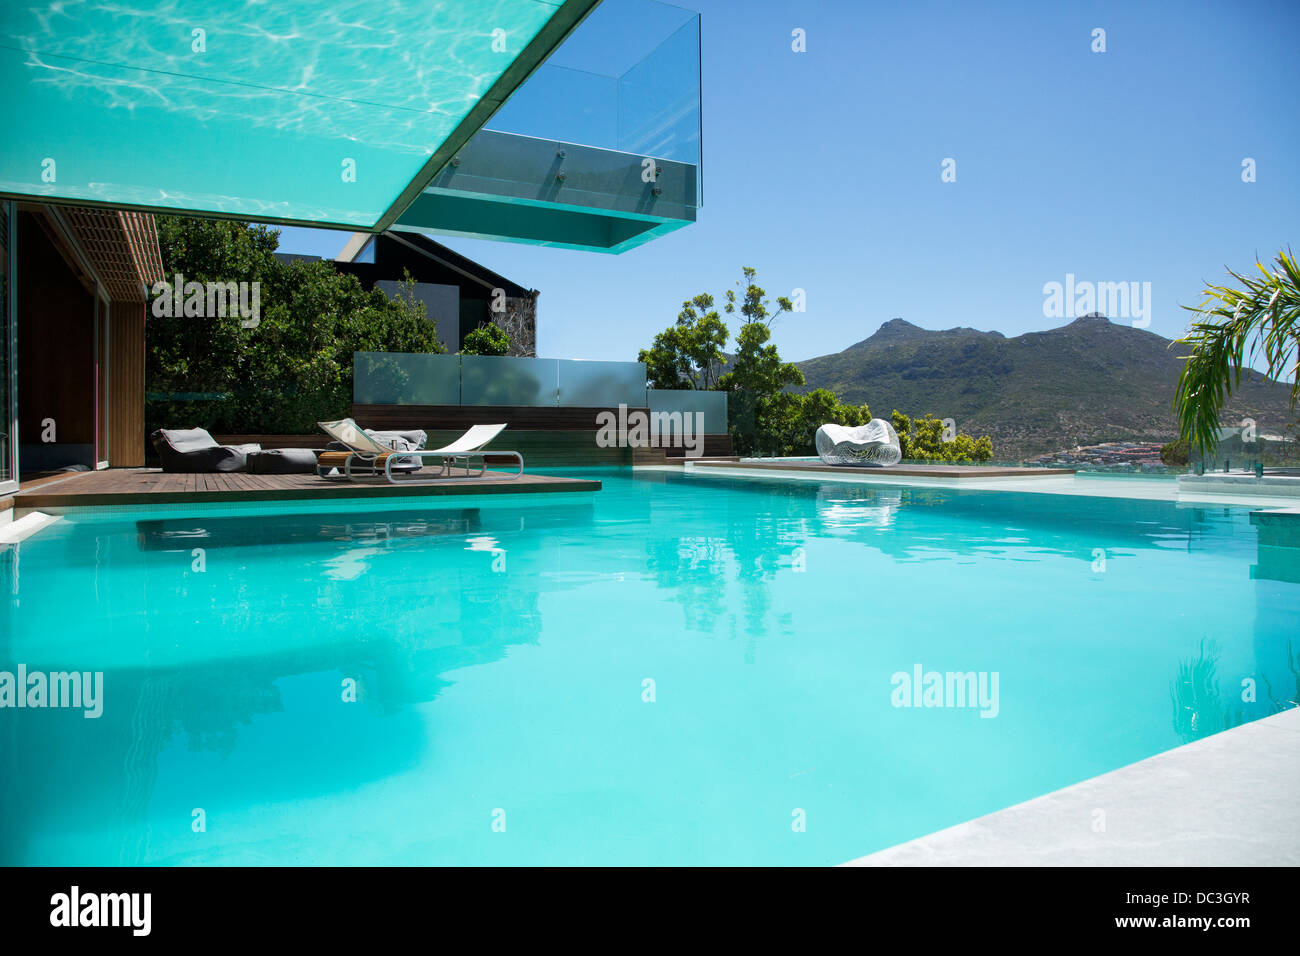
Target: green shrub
(921, 439)
(487, 339)
(1175, 452)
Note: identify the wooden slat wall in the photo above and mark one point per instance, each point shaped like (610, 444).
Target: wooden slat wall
(547, 436)
(447, 418)
(122, 246)
(521, 418)
(126, 436)
(715, 446)
(540, 447)
(566, 445)
(546, 448)
(317, 441)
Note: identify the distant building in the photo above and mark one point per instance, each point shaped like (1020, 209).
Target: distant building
(457, 292)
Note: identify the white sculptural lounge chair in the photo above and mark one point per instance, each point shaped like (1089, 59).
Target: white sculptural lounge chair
(873, 445)
(371, 454)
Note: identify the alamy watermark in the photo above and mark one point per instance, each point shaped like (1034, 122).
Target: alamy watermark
(1115, 300)
(79, 909)
(922, 688)
(208, 300)
(37, 689)
(641, 429)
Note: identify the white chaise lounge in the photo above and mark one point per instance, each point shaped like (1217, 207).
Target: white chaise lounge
(374, 457)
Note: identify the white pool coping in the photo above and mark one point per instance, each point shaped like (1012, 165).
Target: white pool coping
(1153, 489)
(20, 529)
(1278, 485)
(1225, 800)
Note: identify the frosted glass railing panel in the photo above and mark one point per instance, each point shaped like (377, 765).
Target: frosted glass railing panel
(713, 405)
(492, 380)
(399, 378)
(601, 384)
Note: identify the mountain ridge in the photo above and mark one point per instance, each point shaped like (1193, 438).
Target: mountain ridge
(1082, 383)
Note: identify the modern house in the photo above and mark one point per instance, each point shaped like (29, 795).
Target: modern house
(373, 124)
(458, 292)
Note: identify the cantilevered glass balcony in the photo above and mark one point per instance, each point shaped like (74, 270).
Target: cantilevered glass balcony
(600, 149)
(362, 116)
(311, 111)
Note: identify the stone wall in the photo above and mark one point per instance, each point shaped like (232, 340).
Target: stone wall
(520, 323)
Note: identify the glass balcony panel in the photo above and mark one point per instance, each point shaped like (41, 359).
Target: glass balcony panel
(659, 99)
(599, 149)
(628, 79)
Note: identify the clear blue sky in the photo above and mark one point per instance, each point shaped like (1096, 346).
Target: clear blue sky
(822, 169)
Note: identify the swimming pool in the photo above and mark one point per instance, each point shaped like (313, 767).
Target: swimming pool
(674, 670)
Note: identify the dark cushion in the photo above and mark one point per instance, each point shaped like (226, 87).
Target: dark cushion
(193, 451)
(282, 461)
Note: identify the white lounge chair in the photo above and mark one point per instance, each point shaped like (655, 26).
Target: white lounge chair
(367, 451)
(874, 444)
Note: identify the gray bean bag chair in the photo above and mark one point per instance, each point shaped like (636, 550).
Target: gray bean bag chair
(282, 461)
(193, 451)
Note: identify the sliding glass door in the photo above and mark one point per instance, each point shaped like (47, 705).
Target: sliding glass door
(101, 380)
(8, 325)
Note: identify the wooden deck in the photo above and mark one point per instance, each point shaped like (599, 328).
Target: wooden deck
(895, 471)
(150, 486)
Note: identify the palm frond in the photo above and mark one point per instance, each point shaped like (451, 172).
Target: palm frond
(1238, 327)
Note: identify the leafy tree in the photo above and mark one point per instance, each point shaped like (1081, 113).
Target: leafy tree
(1238, 327)
(779, 428)
(690, 353)
(295, 367)
(921, 439)
(487, 339)
(758, 372)
(793, 420)
(821, 406)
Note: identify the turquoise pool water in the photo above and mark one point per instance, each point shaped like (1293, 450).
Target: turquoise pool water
(501, 649)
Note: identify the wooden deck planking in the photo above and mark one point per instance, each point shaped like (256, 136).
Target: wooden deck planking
(147, 486)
